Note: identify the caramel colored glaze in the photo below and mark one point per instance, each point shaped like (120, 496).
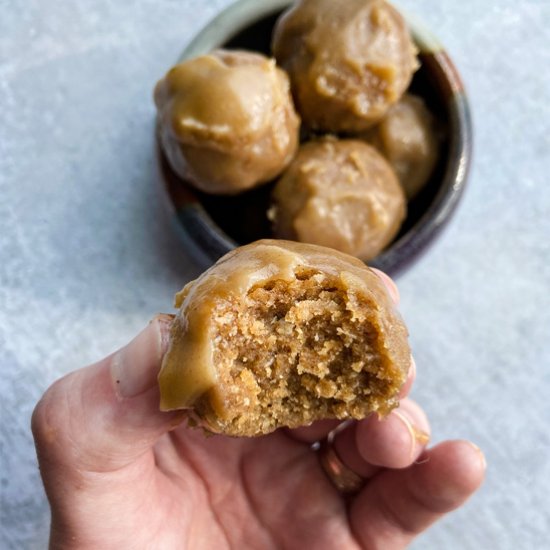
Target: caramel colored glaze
(191, 349)
(406, 136)
(244, 397)
(226, 120)
(348, 61)
(339, 193)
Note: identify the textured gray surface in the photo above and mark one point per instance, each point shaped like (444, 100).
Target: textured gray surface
(86, 256)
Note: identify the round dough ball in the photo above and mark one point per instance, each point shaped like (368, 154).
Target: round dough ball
(342, 194)
(283, 334)
(406, 136)
(226, 120)
(348, 61)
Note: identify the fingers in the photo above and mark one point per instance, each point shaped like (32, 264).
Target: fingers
(395, 441)
(400, 504)
(392, 442)
(102, 417)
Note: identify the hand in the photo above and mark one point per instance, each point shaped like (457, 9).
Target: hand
(120, 474)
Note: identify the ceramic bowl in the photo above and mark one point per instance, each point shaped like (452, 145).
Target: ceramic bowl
(211, 226)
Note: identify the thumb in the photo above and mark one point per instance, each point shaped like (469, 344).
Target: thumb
(103, 417)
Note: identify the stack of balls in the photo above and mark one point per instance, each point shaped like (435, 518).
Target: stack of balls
(328, 117)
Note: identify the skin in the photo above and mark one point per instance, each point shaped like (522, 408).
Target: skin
(118, 473)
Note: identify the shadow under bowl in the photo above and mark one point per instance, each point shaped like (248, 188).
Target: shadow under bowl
(211, 226)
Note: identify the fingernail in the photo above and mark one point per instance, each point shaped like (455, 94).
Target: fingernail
(422, 437)
(134, 368)
(418, 436)
(481, 454)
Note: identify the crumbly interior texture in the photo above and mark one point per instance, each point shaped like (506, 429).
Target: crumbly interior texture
(291, 352)
(280, 333)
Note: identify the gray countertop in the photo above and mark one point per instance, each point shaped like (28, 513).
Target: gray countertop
(87, 255)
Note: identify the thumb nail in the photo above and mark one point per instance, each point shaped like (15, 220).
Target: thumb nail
(135, 367)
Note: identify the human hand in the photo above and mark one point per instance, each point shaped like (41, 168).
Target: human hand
(121, 474)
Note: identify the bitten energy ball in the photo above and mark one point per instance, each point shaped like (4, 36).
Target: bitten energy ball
(406, 136)
(339, 193)
(226, 120)
(282, 334)
(348, 61)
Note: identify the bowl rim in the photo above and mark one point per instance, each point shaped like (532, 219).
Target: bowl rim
(411, 245)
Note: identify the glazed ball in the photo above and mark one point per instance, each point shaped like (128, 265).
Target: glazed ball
(282, 334)
(226, 120)
(348, 61)
(407, 137)
(339, 193)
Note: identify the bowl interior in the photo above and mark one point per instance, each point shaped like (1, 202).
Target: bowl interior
(222, 222)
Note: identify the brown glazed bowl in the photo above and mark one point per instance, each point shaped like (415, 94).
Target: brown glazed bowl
(211, 226)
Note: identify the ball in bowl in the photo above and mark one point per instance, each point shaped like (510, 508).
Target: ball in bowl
(226, 120)
(339, 193)
(348, 61)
